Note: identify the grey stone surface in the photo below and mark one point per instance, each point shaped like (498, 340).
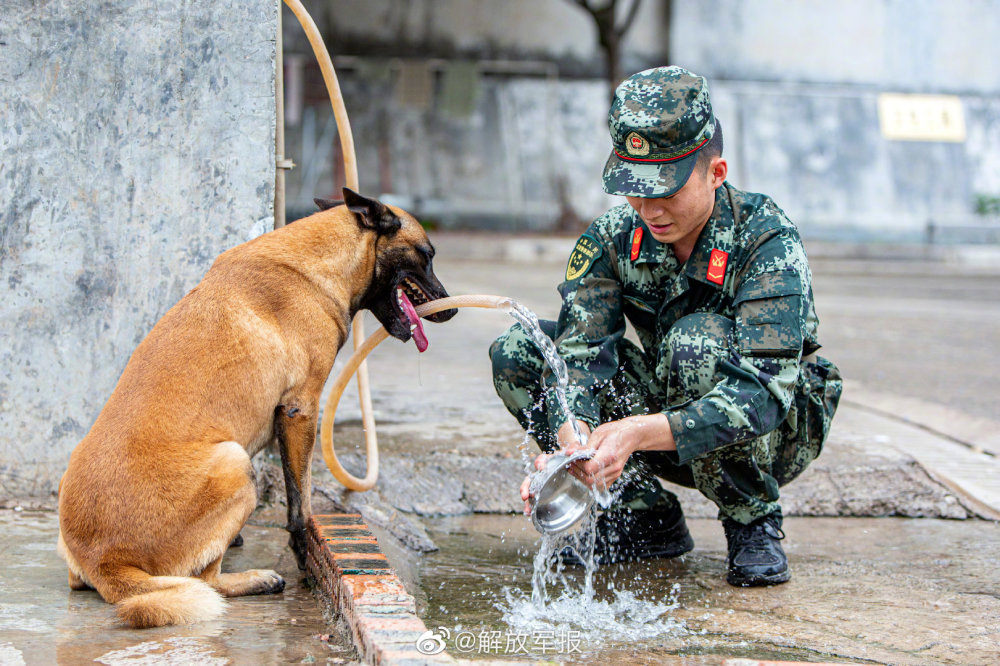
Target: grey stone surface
(854, 477)
(863, 590)
(137, 143)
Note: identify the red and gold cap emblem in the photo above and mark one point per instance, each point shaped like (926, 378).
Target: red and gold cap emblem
(636, 144)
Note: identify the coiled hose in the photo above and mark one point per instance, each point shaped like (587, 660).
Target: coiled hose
(361, 350)
(330, 410)
(351, 178)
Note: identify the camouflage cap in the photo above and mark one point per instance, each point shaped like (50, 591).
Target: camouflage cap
(659, 120)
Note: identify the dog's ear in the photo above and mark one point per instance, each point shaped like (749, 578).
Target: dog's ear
(371, 214)
(326, 204)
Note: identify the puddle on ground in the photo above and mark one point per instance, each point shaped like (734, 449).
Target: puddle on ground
(863, 590)
(42, 621)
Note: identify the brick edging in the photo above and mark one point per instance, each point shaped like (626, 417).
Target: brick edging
(354, 575)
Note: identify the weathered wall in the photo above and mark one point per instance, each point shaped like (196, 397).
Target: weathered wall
(796, 85)
(137, 142)
(816, 149)
(898, 45)
(553, 30)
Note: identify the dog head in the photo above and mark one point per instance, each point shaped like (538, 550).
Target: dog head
(403, 275)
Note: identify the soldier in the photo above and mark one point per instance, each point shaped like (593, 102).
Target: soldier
(726, 393)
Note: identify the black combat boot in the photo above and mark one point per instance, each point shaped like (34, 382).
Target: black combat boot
(755, 554)
(624, 535)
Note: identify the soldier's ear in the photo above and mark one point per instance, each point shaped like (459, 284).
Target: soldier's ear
(371, 213)
(326, 204)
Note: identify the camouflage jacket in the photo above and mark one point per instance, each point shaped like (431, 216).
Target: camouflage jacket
(747, 265)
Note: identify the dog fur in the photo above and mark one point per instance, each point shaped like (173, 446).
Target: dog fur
(162, 483)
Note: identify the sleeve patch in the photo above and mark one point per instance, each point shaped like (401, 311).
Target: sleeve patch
(770, 326)
(584, 255)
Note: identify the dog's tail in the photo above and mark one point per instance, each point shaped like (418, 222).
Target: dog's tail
(156, 601)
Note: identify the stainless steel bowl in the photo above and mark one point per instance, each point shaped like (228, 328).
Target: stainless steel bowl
(558, 500)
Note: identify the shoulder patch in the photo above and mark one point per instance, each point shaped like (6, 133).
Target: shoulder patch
(587, 251)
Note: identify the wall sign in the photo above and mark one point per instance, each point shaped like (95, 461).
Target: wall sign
(921, 117)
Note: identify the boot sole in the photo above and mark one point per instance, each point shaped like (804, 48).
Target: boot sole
(758, 580)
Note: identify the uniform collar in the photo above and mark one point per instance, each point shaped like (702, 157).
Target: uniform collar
(651, 251)
(716, 235)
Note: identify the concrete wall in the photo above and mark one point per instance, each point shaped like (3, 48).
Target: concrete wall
(897, 45)
(816, 149)
(137, 142)
(796, 85)
(554, 30)
(799, 82)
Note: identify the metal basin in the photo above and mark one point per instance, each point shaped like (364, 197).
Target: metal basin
(558, 500)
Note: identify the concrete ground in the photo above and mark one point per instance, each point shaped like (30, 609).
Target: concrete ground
(863, 590)
(43, 622)
(879, 575)
(915, 438)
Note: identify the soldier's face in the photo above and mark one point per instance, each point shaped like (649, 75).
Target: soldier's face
(679, 218)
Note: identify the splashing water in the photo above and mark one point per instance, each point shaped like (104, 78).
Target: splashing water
(576, 606)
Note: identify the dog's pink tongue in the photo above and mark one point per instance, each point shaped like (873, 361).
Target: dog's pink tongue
(419, 338)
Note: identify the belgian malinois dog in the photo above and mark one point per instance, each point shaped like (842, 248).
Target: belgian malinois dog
(162, 483)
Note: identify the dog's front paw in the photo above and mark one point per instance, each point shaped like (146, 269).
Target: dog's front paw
(267, 581)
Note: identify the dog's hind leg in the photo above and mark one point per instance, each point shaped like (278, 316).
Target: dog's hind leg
(75, 577)
(230, 474)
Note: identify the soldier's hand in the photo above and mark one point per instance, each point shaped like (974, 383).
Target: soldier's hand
(612, 445)
(615, 441)
(568, 442)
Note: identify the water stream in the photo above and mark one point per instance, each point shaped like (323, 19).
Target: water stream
(559, 601)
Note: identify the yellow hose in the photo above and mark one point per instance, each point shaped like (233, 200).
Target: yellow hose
(351, 176)
(361, 349)
(326, 427)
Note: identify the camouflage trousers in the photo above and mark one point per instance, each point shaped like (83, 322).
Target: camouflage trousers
(742, 479)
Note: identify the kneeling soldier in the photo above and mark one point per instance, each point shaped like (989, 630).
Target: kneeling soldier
(726, 393)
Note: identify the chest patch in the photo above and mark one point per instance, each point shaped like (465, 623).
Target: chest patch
(636, 243)
(717, 266)
(587, 251)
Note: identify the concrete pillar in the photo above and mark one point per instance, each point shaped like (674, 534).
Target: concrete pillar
(137, 143)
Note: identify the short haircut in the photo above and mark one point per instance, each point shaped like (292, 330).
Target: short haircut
(710, 150)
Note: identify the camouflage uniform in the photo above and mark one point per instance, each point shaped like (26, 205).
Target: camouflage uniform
(724, 361)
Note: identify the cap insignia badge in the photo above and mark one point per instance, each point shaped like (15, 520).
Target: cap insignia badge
(636, 144)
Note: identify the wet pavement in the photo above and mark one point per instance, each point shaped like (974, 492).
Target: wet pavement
(918, 343)
(916, 436)
(863, 590)
(43, 622)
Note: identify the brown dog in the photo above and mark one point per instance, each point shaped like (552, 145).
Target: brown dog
(162, 483)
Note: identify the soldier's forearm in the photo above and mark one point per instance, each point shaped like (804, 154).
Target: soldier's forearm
(649, 432)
